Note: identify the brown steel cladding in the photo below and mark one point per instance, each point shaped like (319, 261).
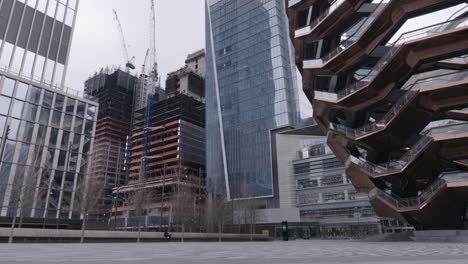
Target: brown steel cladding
(173, 174)
(114, 92)
(377, 95)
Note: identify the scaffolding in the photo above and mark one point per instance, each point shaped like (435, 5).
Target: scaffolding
(168, 147)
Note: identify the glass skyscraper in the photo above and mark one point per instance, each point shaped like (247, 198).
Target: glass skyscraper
(251, 89)
(46, 130)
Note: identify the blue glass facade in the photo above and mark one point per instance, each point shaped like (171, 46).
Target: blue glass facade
(257, 91)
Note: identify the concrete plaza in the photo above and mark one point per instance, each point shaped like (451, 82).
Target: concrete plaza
(297, 252)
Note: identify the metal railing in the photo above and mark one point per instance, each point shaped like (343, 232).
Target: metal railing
(393, 49)
(401, 103)
(424, 196)
(410, 155)
(351, 39)
(310, 26)
(42, 81)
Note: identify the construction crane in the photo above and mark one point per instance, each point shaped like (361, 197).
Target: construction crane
(129, 61)
(153, 75)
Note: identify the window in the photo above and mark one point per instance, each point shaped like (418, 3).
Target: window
(28, 131)
(4, 105)
(8, 86)
(30, 112)
(35, 95)
(21, 91)
(59, 100)
(81, 109)
(70, 106)
(17, 109)
(47, 101)
(56, 117)
(78, 125)
(90, 114)
(44, 117)
(67, 122)
(53, 137)
(14, 129)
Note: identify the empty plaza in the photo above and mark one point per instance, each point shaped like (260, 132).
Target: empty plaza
(279, 252)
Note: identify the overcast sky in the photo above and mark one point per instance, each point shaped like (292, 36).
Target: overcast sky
(96, 42)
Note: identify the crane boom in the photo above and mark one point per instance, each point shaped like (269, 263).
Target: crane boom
(152, 59)
(128, 61)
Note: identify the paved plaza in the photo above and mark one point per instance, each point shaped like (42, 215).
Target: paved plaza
(294, 252)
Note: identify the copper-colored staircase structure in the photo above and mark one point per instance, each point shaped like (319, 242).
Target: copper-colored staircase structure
(395, 107)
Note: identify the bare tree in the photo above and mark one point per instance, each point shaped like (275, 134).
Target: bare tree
(23, 189)
(88, 195)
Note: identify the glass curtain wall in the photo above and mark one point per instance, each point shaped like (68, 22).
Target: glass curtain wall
(251, 55)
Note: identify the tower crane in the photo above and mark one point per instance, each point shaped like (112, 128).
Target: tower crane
(153, 64)
(129, 61)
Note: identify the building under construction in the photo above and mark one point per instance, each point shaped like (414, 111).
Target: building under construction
(392, 100)
(114, 91)
(166, 184)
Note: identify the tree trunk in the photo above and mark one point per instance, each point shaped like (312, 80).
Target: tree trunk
(83, 228)
(13, 223)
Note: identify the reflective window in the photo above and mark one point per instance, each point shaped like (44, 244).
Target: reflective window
(18, 59)
(4, 105)
(48, 97)
(59, 100)
(76, 142)
(59, 68)
(61, 12)
(53, 137)
(49, 70)
(44, 117)
(88, 128)
(4, 172)
(70, 105)
(41, 7)
(35, 95)
(50, 157)
(56, 117)
(22, 91)
(28, 64)
(80, 110)
(65, 140)
(51, 8)
(41, 135)
(30, 112)
(78, 125)
(28, 131)
(90, 114)
(67, 122)
(87, 145)
(39, 67)
(17, 109)
(69, 17)
(8, 86)
(14, 129)
(9, 151)
(24, 152)
(2, 125)
(6, 54)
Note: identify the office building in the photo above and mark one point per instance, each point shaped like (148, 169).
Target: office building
(114, 90)
(388, 83)
(197, 62)
(251, 90)
(167, 180)
(46, 129)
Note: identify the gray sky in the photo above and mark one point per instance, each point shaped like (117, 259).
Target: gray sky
(96, 42)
